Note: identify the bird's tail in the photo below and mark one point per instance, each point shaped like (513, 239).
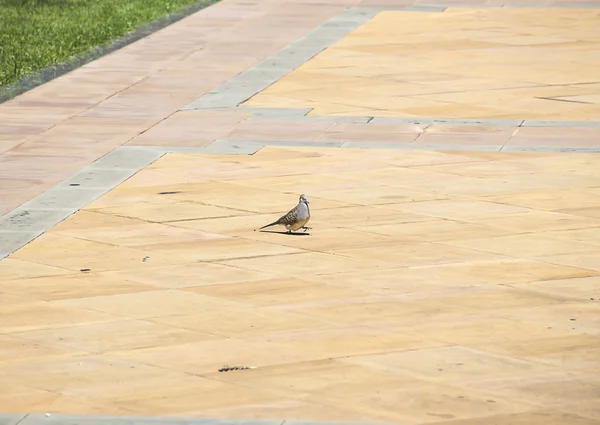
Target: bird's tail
(269, 225)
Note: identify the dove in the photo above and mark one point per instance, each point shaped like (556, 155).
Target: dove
(296, 218)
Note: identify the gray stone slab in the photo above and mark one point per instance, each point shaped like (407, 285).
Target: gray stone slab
(61, 197)
(12, 241)
(426, 8)
(303, 144)
(31, 220)
(11, 418)
(417, 146)
(99, 178)
(539, 123)
(218, 100)
(232, 147)
(286, 113)
(163, 150)
(549, 149)
(126, 157)
(491, 123)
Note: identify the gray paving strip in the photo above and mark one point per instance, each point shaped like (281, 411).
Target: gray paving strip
(30, 220)
(52, 419)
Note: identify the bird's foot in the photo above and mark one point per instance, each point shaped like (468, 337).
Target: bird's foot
(306, 228)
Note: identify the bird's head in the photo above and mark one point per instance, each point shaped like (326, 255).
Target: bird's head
(303, 199)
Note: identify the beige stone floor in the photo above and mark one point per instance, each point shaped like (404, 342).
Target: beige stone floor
(435, 287)
(480, 63)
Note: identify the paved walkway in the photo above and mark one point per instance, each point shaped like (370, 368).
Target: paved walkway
(451, 276)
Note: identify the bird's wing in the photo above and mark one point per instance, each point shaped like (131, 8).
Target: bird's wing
(291, 217)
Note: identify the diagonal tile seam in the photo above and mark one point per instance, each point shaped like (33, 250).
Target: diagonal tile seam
(30, 220)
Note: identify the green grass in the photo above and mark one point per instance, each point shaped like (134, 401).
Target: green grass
(35, 34)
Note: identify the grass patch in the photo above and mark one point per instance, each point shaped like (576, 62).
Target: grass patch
(35, 34)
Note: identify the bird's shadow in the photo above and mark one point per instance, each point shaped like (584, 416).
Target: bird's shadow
(285, 233)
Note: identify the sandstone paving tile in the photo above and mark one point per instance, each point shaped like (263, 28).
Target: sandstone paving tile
(274, 203)
(135, 233)
(351, 216)
(242, 322)
(378, 195)
(575, 392)
(220, 248)
(321, 378)
(419, 158)
(456, 209)
(206, 191)
(450, 365)
(20, 398)
(122, 196)
(304, 264)
(149, 304)
(527, 245)
(345, 341)
(421, 402)
(207, 357)
(470, 186)
(188, 275)
(297, 183)
(82, 285)
(535, 221)
(76, 375)
(168, 395)
(11, 269)
(171, 211)
(566, 352)
(585, 288)
(114, 336)
(411, 254)
(400, 280)
(77, 254)
(19, 317)
(576, 179)
(15, 348)
(560, 316)
(588, 235)
(146, 179)
(549, 200)
(588, 260)
(593, 212)
(394, 176)
(511, 271)
(482, 328)
(379, 311)
(499, 165)
(335, 240)
(435, 230)
(239, 225)
(493, 299)
(278, 292)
